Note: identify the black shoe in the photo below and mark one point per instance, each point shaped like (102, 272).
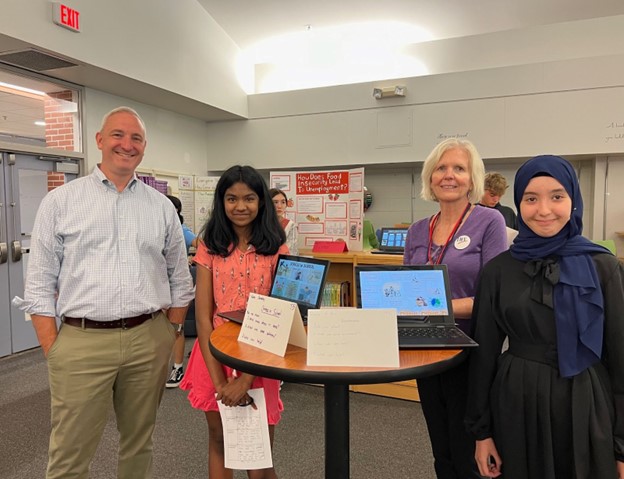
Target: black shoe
(175, 377)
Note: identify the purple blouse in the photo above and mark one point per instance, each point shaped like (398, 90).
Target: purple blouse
(482, 237)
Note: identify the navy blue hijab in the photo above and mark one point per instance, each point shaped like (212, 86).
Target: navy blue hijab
(565, 260)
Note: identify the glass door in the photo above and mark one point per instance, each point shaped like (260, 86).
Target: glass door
(24, 180)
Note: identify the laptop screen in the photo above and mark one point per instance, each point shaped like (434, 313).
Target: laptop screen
(415, 291)
(300, 279)
(393, 239)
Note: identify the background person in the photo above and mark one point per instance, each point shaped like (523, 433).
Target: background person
(368, 230)
(369, 236)
(463, 237)
(111, 248)
(495, 187)
(190, 240)
(238, 256)
(552, 405)
(280, 200)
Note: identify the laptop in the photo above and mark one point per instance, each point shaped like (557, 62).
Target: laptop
(392, 241)
(422, 297)
(298, 279)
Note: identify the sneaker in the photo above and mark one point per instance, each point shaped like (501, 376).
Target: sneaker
(175, 377)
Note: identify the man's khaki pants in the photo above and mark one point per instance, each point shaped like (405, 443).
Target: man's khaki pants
(90, 369)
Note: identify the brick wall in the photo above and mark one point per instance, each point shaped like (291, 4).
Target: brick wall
(55, 180)
(59, 118)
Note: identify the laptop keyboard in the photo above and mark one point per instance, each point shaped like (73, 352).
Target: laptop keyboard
(430, 332)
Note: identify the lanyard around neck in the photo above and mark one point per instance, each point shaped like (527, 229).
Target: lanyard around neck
(432, 225)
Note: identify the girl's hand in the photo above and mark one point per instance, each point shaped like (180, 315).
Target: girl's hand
(234, 393)
(620, 469)
(487, 458)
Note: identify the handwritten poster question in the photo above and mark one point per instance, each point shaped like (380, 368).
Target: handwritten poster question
(322, 182)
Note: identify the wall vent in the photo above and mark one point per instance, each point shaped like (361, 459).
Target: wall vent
(34, 60)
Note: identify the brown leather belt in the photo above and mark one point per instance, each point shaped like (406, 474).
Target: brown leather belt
(124, 323)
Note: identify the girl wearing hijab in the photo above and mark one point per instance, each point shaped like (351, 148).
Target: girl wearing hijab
(552, 405)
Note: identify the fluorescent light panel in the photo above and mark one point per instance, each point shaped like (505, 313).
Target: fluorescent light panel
(21, 88)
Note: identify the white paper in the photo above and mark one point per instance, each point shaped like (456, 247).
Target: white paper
(185, 182)
(271, 323)
(353, 337)
(246, 434)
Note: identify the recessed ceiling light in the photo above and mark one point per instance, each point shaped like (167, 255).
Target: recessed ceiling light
(40, 123)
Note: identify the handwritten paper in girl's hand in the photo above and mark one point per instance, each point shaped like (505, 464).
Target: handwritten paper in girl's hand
(271, 324)
(353, 337)
(246, 434)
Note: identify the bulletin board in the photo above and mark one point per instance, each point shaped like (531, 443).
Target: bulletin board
(325, 205)
(196, 194)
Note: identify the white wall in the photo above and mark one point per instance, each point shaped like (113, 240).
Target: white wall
(174, 143)
(392, 196)
(566, 107)
(539, 44)
(173, 45)
(614, 198)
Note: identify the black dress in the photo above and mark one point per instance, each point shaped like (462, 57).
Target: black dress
(545, 426)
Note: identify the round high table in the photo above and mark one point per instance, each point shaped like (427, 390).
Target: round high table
(292, 367)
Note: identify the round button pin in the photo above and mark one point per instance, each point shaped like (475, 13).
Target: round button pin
(462, 242)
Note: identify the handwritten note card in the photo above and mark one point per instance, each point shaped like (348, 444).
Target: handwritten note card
(271, 324)
(353, 337)
(246, 434)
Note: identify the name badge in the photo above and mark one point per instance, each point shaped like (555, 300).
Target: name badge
(462, 242)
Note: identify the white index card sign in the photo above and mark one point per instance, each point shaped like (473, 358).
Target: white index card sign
(271, 324)
(353, 337)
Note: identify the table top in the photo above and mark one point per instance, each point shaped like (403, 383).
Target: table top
(292, 367)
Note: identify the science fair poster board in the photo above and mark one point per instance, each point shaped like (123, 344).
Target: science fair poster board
(325, 205)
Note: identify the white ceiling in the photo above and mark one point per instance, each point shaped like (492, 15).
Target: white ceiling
(250, 21)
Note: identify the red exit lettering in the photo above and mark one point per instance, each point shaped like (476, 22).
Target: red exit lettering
(69, 17)
(66, 17)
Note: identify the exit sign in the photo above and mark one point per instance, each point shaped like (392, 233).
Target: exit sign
(66, 17)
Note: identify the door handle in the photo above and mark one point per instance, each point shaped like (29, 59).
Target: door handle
(4, 253)
(16, 250)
